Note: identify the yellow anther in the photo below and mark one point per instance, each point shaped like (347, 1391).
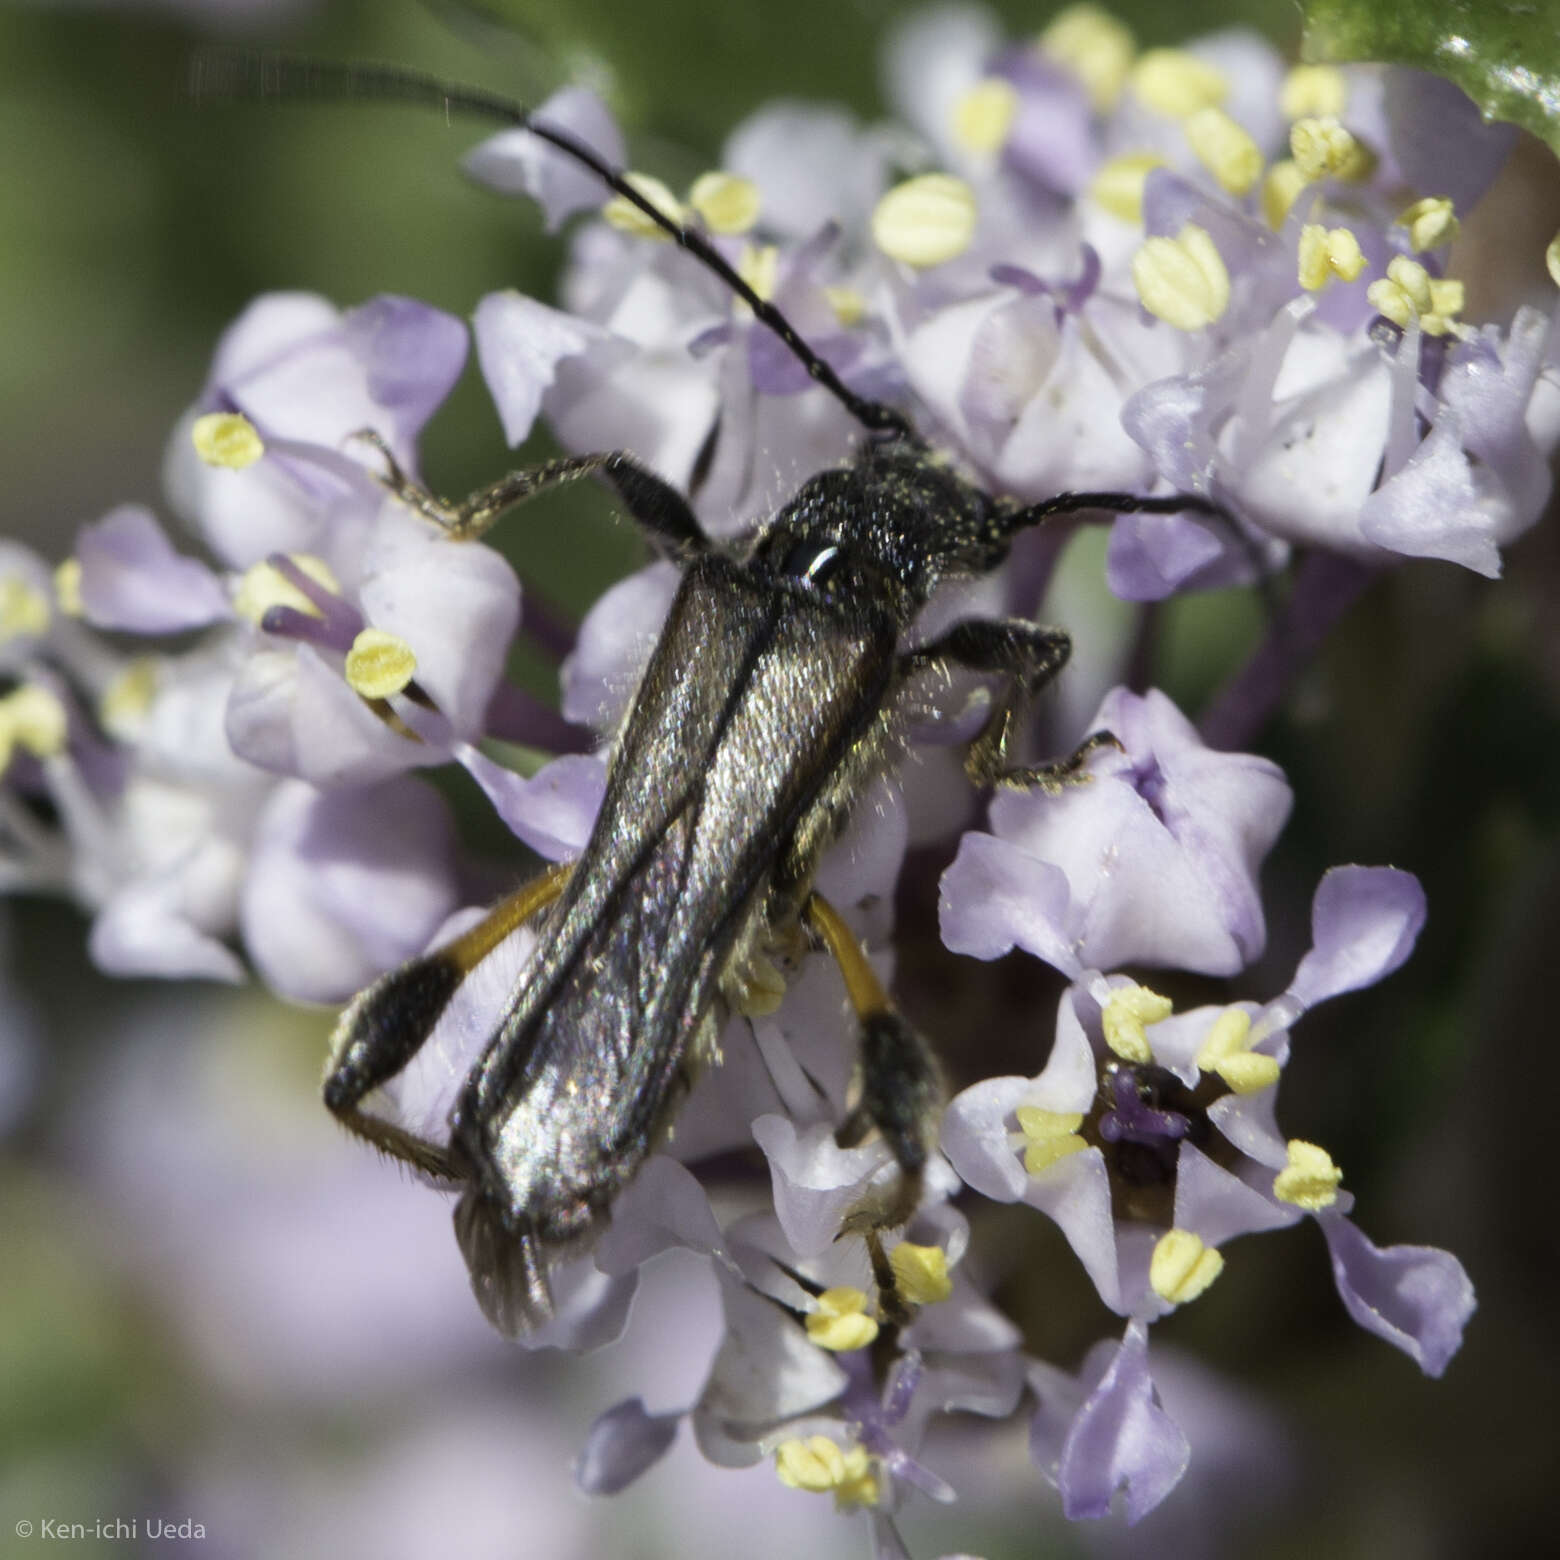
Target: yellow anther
(379, 664)
(841, 1322)
(1310, 1180)
(227, 439)
(1552, 259)
(1049, 1135)
(1224, 1051)
(24, 611)
(727, 203)
(1182, 279)
(926, 220)
(1176, 83)
(1118, 186)
(1224, 148)
(921, 1272)
(820, 1466)
(1280, 190)
(816, 1464)
(1414, 280)
(1326, 253)
(1124, 1016)
(759, 267)
(1323, 149)
(984, 115)
(1344, 254)
(1312, 90)
(847, 303)
(33, 719)
(67, 587)
(1182, 1267)
(1227, 1035)
(129, 696)
(1095, 47)
(626, 217)
(1408, 292)
(1431, 222)
(263, 586)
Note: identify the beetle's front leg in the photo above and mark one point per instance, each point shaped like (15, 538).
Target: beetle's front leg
(658, 508)
(1029, 656)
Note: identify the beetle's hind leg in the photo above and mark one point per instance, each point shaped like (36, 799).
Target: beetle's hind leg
(658, 508)
(1029, 656)
(901, 1084)
(386, 1025)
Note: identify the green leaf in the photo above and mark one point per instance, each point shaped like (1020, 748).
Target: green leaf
(1505, 54)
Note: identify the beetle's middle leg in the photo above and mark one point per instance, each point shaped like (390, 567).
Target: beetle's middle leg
(657, 507)
(1030, 656)
(901, 1084)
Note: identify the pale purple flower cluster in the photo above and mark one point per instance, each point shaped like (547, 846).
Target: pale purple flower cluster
(250, 781)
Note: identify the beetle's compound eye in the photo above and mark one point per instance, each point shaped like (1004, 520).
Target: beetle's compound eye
(812, 560)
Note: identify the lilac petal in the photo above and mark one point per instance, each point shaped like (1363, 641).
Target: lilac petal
(663, 1207)
(132, 579)
(552, 811)
(145, 929)
(1313, 457)
(975, 1137)
(515, 162)
(1134, 894)
(1364, 923)
(456, 604)
(291, 713)
(1052, 140)
(813, 163)
(1439, 139)
(1416, 1297)
(1440, 505)
(1173, 418)
(1121, 1436)
(274, 323)
(1075, 1193)
(318, 387)
(615, 641)
(1151, 557)
(1250, 1122)
(520, 344)
(243, 516)
(345, 884)
(931, 58)
(590, 1309)
(411, 355)
(864, 861)
(965, 1323)
(767, 1371)
(1219, 1206)
(815, 1181)
(1491, 391)
(623, 1443)
(996, 896)
(1162, 849)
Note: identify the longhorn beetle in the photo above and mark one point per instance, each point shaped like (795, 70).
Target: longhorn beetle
(725, 785)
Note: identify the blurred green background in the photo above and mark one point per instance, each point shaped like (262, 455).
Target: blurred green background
(151, 1374)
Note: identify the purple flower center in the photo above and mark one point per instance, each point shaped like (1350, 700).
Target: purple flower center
(1144, 1114)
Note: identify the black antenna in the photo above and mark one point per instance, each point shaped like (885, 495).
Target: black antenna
(232, 73)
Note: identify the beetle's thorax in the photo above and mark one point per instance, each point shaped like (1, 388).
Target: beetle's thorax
(884, 529)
